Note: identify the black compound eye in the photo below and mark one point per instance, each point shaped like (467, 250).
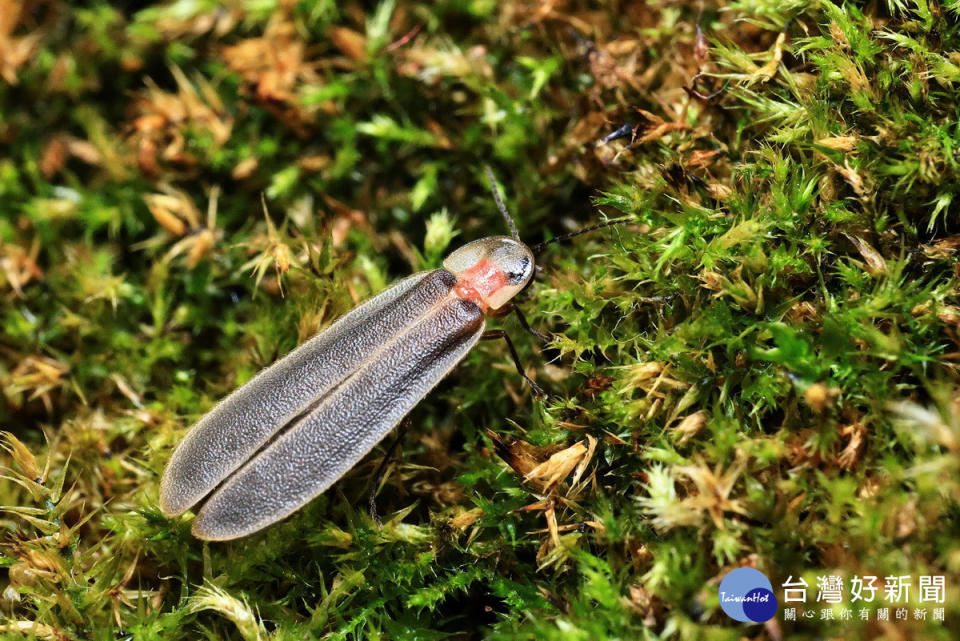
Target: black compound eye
(516, 276)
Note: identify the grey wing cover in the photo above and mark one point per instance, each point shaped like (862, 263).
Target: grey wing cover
(229, 434)
(342, 426)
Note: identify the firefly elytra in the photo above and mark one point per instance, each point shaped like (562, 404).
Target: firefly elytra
(293, 430)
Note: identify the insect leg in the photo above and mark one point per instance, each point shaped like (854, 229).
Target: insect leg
(382, 469)
(546, 338)
(499, 333)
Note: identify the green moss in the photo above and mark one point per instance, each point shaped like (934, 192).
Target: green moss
(760, 370)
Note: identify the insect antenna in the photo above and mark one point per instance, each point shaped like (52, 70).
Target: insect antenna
(500, 205)
(557, 239)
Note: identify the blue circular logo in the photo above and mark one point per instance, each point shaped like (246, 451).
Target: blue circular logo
(747, 595)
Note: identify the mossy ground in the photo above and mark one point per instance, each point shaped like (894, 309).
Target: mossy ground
(762, 370)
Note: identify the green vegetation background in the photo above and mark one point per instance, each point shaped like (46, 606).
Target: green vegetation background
(761, 370)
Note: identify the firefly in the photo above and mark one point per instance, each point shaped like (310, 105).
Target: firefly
(288, 434)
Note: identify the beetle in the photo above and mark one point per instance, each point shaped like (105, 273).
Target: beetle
(289, 433)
